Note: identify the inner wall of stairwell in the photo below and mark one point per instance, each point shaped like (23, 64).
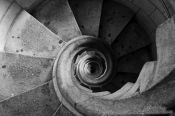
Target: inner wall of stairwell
(149, 14)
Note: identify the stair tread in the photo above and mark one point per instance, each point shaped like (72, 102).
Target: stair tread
(131, 39)
(165, 42)
(20, 73)
(22, 34)
(87, 14)
(134, 62)
(41, 101)
(57, 16)
(113, 20)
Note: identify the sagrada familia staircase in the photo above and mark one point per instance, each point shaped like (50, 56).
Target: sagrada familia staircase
(87, 57)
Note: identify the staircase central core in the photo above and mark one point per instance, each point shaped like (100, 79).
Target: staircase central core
(91, 66)
(87, 61)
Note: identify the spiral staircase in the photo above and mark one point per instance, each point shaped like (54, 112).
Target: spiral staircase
(90, 57)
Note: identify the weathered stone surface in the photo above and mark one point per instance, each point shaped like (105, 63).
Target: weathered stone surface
(165, 40)
(154, 101)
(146, 76)
(29, 37)
(19, 74)
(131, 39)
(21, 33)
(59, 20)
(113, 20)
(41, 101)
(88, 15)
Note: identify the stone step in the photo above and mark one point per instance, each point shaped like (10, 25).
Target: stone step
(88, 15)
(133, 62)
(130, 40)
(20, 73)
(57, 16)
(41, 101)
(113, 20)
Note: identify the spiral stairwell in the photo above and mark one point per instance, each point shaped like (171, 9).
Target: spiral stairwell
(91, 57)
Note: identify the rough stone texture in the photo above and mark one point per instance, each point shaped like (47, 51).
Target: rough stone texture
(159, 99)
(59, 18)
(154, 101)
(113, 20)
(41, 101)
(22, 34)
(88, 15)
(131, 39)
(165, 40)
(28, 37)
(19, 74)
